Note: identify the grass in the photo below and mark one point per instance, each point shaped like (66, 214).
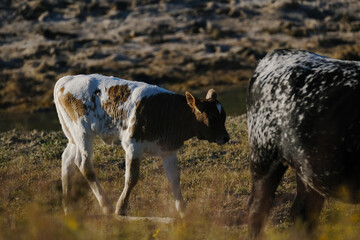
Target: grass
(215, 181)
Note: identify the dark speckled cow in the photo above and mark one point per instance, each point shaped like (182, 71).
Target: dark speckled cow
(303, 113)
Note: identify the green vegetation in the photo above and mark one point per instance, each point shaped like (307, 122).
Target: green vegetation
(215, 182)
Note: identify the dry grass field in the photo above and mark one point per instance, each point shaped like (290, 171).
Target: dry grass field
(215, 182)
(180, 45)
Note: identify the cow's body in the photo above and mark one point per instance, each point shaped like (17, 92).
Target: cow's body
(142, 118)
(303, 112)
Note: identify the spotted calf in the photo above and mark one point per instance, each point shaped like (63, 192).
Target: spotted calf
(142, 118)
(303, 113)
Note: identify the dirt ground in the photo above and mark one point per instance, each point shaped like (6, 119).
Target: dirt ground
(176, 44)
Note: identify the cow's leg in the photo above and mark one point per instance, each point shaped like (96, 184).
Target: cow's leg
(264, 183)
(173, 175)
(307, 205)
(132, 172)
(84, 161)
(67, 170)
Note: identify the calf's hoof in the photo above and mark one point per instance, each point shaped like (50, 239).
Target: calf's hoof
(107, 210)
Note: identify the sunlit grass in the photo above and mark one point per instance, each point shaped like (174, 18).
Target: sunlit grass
(215, 181)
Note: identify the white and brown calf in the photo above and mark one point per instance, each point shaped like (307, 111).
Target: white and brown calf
(142, 118)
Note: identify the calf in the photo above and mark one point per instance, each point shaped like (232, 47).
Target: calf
(302, 113)
(142, 118)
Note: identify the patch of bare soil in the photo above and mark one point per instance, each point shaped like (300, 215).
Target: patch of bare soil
(177, 44)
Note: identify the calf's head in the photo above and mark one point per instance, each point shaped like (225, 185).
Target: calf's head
(210, 117)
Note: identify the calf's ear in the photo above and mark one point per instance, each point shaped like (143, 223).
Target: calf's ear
(211, 94)
(191, 101)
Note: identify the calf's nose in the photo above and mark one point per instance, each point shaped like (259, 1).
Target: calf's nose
(222, 139)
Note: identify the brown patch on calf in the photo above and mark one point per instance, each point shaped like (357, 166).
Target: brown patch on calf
(118, 95)
(170, 119)
(73, 106)
(164, 118)
(133, 120)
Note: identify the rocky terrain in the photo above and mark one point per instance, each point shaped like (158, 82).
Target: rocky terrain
(177, 44)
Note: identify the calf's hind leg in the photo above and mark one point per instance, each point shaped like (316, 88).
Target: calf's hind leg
(307, 205)
(264, 184)
(85, 165)
(132, 172)
(67, 170)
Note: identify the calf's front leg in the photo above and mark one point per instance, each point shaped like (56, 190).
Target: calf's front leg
(173, 175)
